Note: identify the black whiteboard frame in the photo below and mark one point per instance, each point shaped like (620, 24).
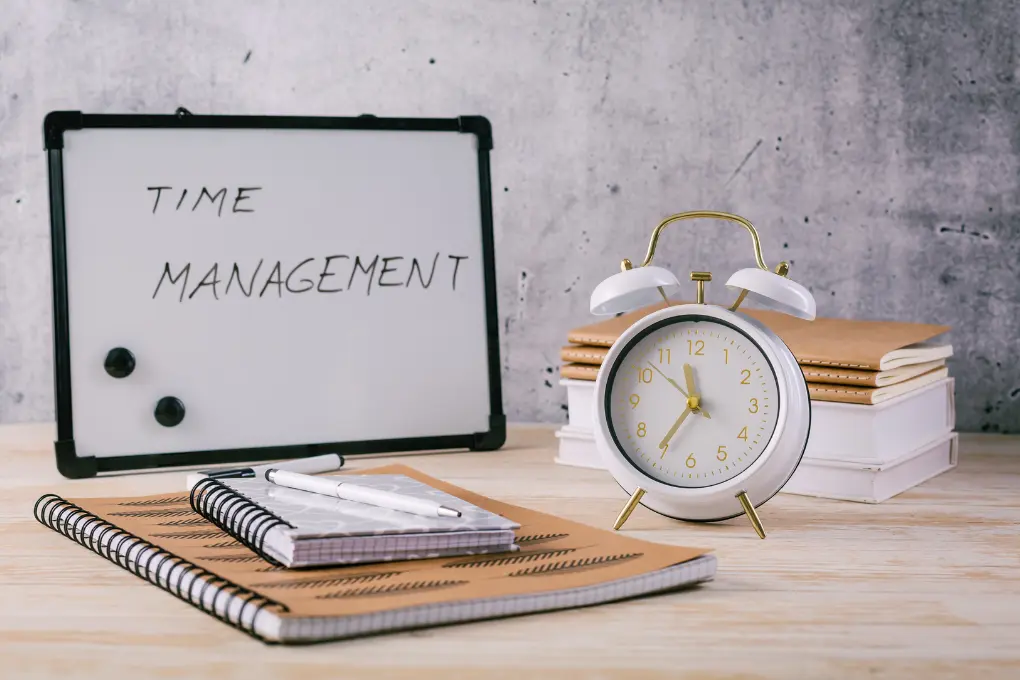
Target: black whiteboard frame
(72, 466)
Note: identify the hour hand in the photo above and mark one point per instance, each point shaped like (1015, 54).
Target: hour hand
(689, 377)
(668, 379)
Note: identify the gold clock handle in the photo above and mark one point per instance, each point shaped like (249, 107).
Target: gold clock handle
(695, 214)
(782, 269)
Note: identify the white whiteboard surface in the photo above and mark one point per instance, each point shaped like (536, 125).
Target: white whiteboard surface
(284, 364)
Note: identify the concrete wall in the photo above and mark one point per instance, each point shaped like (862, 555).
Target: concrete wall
(875, 144)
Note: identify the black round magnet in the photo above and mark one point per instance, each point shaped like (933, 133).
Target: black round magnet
(119, 362)
(169, 411)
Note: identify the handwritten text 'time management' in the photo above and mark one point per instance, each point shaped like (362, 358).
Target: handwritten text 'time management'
(328, 274)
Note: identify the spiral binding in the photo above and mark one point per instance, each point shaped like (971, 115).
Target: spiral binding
(236, 514)
(89, 530)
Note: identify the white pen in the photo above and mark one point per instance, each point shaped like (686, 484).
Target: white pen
(312, 464)
(359, 494)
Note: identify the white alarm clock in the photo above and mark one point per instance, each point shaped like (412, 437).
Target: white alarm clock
(701, 412)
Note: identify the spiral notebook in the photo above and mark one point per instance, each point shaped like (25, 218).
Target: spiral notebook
(301, 529)
(560, 564)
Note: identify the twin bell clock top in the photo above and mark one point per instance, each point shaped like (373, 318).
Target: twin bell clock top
(702, 413)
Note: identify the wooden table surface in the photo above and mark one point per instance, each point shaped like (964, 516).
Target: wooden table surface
(924, 585)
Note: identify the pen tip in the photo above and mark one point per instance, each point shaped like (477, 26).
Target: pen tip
(448, 512)
(269, 474)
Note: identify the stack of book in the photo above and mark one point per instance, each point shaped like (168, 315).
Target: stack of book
(882, 401)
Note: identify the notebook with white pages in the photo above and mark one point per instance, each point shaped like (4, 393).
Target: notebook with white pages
(917, 353)
(301, 529)
(852, 394)
(851, 376)
(561, 564)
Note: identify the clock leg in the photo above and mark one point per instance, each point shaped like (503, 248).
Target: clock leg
(629, 508)
(751, 514)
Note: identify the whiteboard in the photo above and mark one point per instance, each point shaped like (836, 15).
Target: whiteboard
(294, 289)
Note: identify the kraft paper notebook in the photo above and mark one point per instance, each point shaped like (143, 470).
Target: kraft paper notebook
(560, 564)
(582, 363)
(300, 529)
(852, 394)
(818, 391)
(846, 343)
(579, 371)
(857, 378)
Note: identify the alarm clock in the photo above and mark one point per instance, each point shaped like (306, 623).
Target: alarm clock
(701, 412)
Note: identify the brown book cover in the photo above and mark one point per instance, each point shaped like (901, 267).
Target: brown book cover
(818, 391)
(583, 354)
(581, 362)
(847, 343)
(579, 372)
(858, 378)
(559, 564)
(870, 396)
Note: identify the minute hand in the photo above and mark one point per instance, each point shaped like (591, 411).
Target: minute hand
(668, 379)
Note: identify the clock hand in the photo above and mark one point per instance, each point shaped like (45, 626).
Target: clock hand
(689, 377)
(676, 426)
(668, 379)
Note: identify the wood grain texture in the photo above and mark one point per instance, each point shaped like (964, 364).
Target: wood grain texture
(924, 585)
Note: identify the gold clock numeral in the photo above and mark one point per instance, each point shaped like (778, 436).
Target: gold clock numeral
(754, 406)
(634, 400)
(641, 429)
(645, 375)
(667, 355)
(696, 347)
(664, 450)
(743, 434)
(690, 462)
(747, 377)
(721, 453)
(726, 353)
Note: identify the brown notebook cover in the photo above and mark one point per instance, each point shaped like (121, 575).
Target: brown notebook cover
(559, 564)
(858, 378)
(583, 354)
(818, 391)
(583, 361)
(579, 372)
(847, 343)
(870, 396)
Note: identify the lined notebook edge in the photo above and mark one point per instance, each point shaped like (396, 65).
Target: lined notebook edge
(302, 629)
(268, 620)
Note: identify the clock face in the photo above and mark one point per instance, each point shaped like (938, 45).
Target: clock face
(692, 442)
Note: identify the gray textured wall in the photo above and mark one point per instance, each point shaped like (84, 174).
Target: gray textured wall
(875, 144)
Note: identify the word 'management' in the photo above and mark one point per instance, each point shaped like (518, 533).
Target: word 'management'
(328, 274)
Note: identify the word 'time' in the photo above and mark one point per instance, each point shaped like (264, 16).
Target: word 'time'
(175, 199)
